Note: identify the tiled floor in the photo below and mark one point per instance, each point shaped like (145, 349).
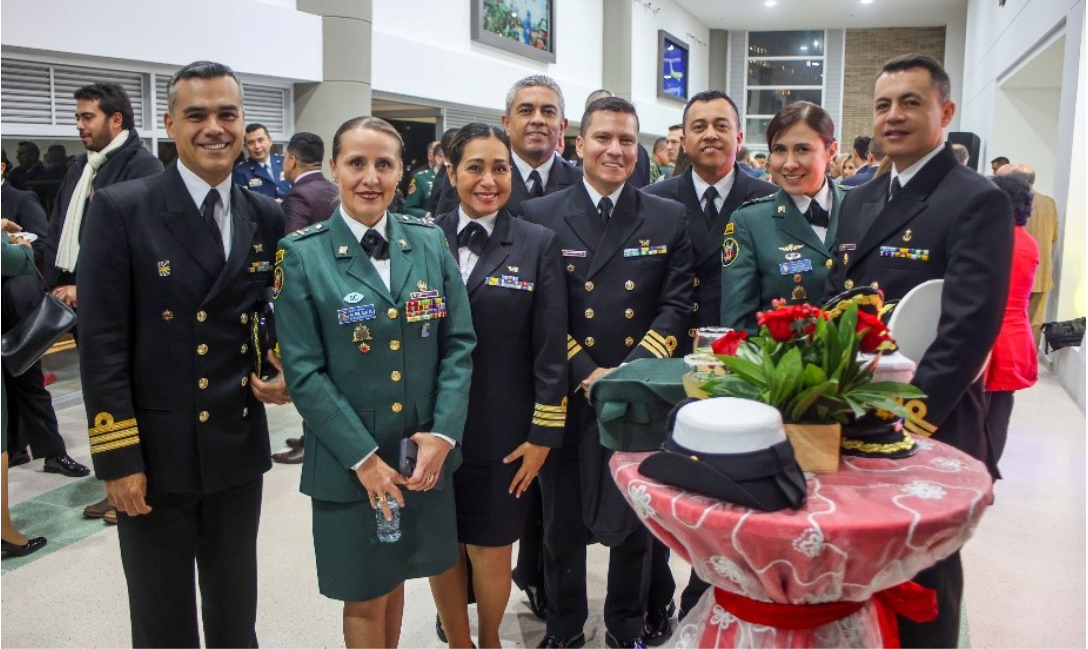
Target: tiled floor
(1025, 567)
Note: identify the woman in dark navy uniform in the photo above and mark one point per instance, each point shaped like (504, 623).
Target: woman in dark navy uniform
(779, 247)
(514, 275)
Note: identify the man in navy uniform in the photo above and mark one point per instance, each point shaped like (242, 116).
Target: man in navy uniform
(262, 172)
(172, 270)
(628, 266)
(928, 218)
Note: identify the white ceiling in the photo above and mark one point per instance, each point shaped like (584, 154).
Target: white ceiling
(754, 15)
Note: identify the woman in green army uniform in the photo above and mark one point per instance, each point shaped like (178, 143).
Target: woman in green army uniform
(779, 247)
(376, 338)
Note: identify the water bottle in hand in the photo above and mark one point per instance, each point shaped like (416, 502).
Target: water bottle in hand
(388, 531)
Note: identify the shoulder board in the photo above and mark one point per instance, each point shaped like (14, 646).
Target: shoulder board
(408, 219)
(308, 231)
(756, 201)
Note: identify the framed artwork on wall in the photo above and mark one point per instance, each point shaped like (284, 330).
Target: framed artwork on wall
(525, 27)
(672, 67)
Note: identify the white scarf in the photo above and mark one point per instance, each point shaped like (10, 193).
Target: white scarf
(68, 252)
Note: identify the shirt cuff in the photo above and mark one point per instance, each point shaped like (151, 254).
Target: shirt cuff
(448, 440)
(355, 467)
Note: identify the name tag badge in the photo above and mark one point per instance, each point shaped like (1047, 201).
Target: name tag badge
(799, 266)
(574, 253)
(356, 313)
(846, 246)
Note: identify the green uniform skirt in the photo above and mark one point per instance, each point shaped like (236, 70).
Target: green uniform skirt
(354, 566)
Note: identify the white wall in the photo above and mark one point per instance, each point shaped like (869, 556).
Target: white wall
(424, 48)
(955, 35)
(171, 33)
(657, 115)
(1035, 139)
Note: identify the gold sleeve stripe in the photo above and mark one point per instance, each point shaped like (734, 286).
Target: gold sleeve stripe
(572, 347)
(558, 416)
(656, 347)
(104, 424)
(112, 437)
(549, 423)
(129, 441)
(668, 342)
(916, 430)
(539, 407)
(925, 425)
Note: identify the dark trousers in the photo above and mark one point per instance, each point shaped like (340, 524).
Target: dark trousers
(210, 537)
(663, 586)
(529, 571)
(31, 418)
(565, 539)
(998, 412)
(945, 577)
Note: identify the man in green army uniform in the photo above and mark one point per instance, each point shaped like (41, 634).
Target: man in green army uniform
(422, 180)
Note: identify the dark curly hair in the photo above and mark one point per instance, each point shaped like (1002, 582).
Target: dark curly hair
(1019, 192)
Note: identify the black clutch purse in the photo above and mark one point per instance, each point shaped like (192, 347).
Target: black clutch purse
(28, 341)
(1069, 333)
(263, 324)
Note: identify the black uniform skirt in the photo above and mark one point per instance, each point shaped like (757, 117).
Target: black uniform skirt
(487, 514)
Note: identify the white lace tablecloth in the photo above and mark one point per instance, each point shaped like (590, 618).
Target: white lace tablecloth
(871, 526)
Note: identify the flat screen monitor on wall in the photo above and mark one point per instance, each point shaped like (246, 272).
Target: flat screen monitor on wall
(525, 27)
(672, 67)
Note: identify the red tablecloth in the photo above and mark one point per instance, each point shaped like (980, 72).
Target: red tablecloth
(871, 526)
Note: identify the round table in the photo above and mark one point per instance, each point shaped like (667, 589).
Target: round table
(871, 526)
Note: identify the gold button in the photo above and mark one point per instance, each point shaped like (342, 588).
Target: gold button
(244, 349)
(875, 285)
(590, 342)
(168, 315)
(589, 313)
(392, 313)
(691, 333)
(245, 318)
(629, 341)
(570, 268)
(695, 307)
(396, 407)
(829, 263)
(394, 345)
(394, 376)
(201, 316)
(204, 416)
(629, 285)
(695, 281)
(589, 286)
(245, 381)
(201, 349)
(849, 284)
(202, 384)
(629, 313)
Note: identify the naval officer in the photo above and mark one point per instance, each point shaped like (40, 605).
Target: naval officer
(263, 171)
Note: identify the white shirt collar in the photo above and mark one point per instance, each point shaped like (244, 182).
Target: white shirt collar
(524, 168)
(910, 172)
(198, 188)
(724, 184)
(823, 198)
(596, 196)
(308, 173)
(358, 229)
(487, 221)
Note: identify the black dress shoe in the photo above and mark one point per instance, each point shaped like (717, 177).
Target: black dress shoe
(555, 642)
(658, 629)
(17, 458)
(616, 643)
(65, 465)
(292, 455)
(439, 630)
(30, 547)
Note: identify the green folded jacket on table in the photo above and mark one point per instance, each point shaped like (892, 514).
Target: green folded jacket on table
(633, 402)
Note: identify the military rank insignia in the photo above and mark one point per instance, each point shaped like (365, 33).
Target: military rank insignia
(645, 249)
(164, 268)
(255, 182)
(729, 229)
(917, 254)
(279, 256)
(730, 251)
(351, 314)
(510, 281)
(424, 305)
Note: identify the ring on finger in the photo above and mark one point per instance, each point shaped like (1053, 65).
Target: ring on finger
(430, 478)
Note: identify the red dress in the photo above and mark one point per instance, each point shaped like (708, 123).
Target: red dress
(1014, 364)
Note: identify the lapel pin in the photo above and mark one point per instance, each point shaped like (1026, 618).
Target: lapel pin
(361, 334)
(512, 269)
(908, 235)
(799, 293)
(403, 243)
(421, 285)
(164, 268)
(365, 348)
(258, 247)
(846, 258)
(570, 268)
(353, 297)
(342, 250)
(781, 209)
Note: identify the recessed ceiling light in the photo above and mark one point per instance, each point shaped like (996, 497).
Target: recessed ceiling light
(866, 2)
(771, 3)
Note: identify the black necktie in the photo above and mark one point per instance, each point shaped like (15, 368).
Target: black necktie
(538, 185)
(375, 245)
(894, 189)
(710, 210)
(605, 206)
(817, 215)
(474, 237)
(207, 214)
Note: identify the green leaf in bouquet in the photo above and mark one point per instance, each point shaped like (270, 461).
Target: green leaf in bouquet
(799, 405)
(732, 385)
(746, 369)
(786, 377)
(813, 375)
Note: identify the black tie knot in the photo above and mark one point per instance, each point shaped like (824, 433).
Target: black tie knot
(817, 215)
(538, 185)
(605, 207)
(474, 237)
(375, 245)
(710, 209)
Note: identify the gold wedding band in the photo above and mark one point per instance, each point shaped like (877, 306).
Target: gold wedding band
(430, 478)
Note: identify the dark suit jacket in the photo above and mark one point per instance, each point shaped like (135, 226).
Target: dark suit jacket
(311, 199)
(707, 241)
(21, 294)
(519, 366)
(129, 162)
(959, 227)
(562, 176)
(165, 335)
(861, 176)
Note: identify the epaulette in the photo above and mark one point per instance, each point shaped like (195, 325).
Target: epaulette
(308, 231)
(754, 201)
(408, 219)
